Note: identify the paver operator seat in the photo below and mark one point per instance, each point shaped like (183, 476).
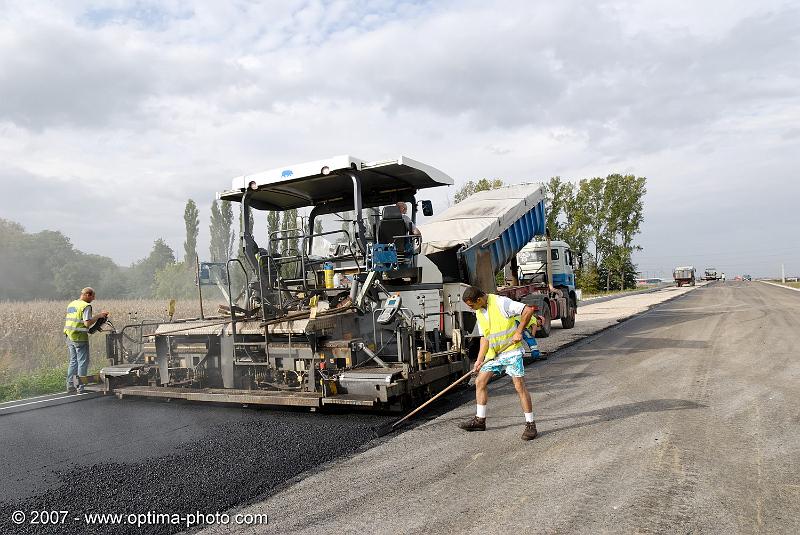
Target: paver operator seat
(394, 229)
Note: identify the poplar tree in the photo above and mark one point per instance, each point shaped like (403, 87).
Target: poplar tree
(273, 225)
(217, 246)
(191, 219)
(228, 233)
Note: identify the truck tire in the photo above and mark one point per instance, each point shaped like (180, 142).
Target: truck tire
(544, 331)
(568, 321)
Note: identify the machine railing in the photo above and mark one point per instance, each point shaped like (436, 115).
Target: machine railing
(230, 295)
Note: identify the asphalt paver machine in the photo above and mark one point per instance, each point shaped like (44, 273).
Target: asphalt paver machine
(352, 315)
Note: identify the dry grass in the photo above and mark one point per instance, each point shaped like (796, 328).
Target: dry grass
(32, 348)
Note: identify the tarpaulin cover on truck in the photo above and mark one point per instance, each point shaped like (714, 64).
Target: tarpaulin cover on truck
(474, 239)
(483, 216)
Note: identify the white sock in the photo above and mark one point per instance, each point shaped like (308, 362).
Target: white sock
(481, 413)
(528, 417)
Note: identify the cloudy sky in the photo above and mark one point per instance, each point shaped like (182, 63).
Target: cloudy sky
(113, 114)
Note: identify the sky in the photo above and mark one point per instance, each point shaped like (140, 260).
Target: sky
(113, 114)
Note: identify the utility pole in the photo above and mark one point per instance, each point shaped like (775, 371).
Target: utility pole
(783, 275)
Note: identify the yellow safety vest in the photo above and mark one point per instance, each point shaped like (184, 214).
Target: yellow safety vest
(74, 327)
(498, 329)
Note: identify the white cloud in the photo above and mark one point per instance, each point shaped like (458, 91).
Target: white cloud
(150, 103)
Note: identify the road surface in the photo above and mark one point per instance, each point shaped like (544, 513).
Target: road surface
(681, 420)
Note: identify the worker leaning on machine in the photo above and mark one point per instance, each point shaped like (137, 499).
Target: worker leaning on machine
(501, 322)
(77, 323)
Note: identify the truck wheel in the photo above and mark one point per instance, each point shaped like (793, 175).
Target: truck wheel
(544, 331)
(568, 322)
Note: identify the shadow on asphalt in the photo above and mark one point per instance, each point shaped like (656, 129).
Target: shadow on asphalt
(644, 343)
(551, 382)
(615, 412)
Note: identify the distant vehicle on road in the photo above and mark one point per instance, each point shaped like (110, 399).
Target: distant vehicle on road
(711, 274)
(648, 282)
(684, 275)
(747, 277)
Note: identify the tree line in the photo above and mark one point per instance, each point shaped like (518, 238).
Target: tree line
(598, 217)
(46, 265)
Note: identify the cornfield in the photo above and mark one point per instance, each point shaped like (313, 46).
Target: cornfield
(32, 340)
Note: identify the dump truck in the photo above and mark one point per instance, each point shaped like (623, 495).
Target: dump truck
(684, 275)
(362, 312)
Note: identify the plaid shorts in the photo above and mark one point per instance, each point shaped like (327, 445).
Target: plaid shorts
(509, 362)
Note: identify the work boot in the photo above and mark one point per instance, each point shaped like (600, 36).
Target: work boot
(530, 431)
(475, 424)
(71, 390)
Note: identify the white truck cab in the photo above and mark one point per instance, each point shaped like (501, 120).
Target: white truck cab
(532, 263)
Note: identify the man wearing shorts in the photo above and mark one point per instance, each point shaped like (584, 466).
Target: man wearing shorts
(501, 323)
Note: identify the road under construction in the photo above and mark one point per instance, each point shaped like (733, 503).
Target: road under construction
(676, 416)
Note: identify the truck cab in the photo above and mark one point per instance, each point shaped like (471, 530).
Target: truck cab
(554, 296)
(532, 263)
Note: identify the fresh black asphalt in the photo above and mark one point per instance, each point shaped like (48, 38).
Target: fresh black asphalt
(135, 456)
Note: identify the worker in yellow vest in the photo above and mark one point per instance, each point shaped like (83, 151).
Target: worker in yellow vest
(501, 322)
(76, 331)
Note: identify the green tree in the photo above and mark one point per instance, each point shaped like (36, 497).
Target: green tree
(219, 231)
(617, 272)
(588, 279)
(593, 202)
(191, 219)
(273, 225)
(625, 194)
(608, 213)
(113, 282)
(82, 270)
(289, 226)
(289, 243)
(17, 280)
(143, 272)
(175, 281)
(560, 194)
(228, 234)
(45, 265)
(474, 187)
(576, 230)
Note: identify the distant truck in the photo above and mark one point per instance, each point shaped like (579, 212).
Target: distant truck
(711, 274)
(684, 275)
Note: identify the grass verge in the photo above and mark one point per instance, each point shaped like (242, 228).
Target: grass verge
(35, 383)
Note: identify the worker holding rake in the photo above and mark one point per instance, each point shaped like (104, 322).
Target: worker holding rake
(501, 322)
